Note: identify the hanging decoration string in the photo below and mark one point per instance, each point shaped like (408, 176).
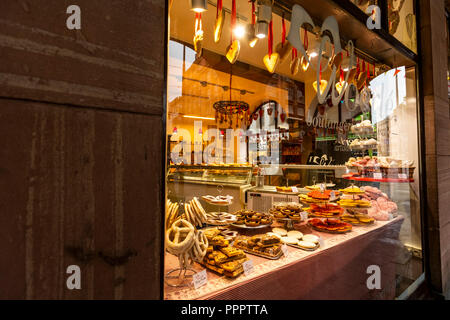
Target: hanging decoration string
(283, 31)
(270, 38)
(233, 18)
(253, 12)
(219, 8)
(294, 53)
(305, 40)
(341, 73)
(198, 22)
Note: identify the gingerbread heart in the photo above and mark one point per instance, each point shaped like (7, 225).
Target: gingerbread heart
(271, 62)
(233, 51)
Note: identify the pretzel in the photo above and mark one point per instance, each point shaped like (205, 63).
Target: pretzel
(195, 220)
(179, 237)
(200, 246)
(199, 207)
(172, 215)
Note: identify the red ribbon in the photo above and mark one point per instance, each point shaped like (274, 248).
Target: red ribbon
(283, 31)
(368, 71)
(253, 12)
(233, 18)
(294, 53)
(198, 21)
(341, 74)
(357, 65)
(270, 38)
(219, 7)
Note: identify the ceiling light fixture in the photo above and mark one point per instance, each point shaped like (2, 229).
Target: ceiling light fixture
(264, 16)
(199, 5)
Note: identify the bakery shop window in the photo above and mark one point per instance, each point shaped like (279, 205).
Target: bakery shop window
(285, 147)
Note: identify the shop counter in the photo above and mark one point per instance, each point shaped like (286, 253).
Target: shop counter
(337, 270)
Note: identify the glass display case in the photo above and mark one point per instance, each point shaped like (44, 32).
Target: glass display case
(212, 174)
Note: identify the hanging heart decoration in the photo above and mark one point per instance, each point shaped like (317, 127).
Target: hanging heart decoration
(255, 116)
(330, 25)
(304, 62)
(271, 59)
(270, 111)
(261, 112)
(198, 35)
(220, 20)
(283, 117)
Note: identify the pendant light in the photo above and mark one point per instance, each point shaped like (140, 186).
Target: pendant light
(252, 39)
(264, 18)
(199, 5)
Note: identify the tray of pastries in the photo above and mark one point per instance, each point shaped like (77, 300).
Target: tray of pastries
(356, 218)
(222, 258)
(352, 190)
(225, 232)
(249, 219)
(218, 200)
(308, 200)
(296, 239)
(289, 210)
(286, 190)
(220, 218)
(326, 195)
(327, 210)
(263, 245)
(330, 225)
(354, 203)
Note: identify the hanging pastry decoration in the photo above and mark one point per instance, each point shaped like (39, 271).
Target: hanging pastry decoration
(336, 60)
(271, 59)
(220, 19)
(252, 39)
(295, 62)
(323, 83)
(283, 117)
(284, 47)
(235, 47)
(304, 61)
(198, 35)
(270, 111)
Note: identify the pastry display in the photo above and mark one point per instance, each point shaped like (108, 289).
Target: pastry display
(362, 127)
(220, 218)
(327, 210)
(227, 234)
(330, 225)
(287, 210)
(185, 242)
(364, 144)
(352, 190)
(388, 167)
(296, 239)
(268, 246)
(307, 199)
(325, 195)
(194, 213)
(172, 209)
(356, 218)
(353, 203)
(285, 189)
(223, 258)
(252, 219)
(219, 200)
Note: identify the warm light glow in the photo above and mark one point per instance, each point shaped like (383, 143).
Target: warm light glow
(313, 54)
(199, 10)
(253, 42)
(345, 69)
(239, 31)
(261, 35)
(198, 117)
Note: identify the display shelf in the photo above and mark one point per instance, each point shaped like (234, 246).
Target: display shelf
(366, 179)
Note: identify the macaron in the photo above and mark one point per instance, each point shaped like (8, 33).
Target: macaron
(306, 244)
(289, 240)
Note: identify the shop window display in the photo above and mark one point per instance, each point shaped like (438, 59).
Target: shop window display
(287, 152)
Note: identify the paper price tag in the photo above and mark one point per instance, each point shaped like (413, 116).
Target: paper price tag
(321, 242)
(332, 195)
(285, 250)
(294, 189)
(322, 188)
(200, 279)
(378, 175)
(248, 267)
(402, 176)
(304, 215)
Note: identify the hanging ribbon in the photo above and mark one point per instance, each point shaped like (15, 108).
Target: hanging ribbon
(341, 72)
(270, 38)
(368, 70)
(233, 18)
(357, 66)
(294, 53)
(253, 12)
(219, 8)
(374, 70)
(283, 31)
(198, 22)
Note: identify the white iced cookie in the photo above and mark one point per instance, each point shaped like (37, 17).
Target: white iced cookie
(280, 231)
(289, 240)
(310, 238)
(295, 234)
(307, 244)
(273, 234)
